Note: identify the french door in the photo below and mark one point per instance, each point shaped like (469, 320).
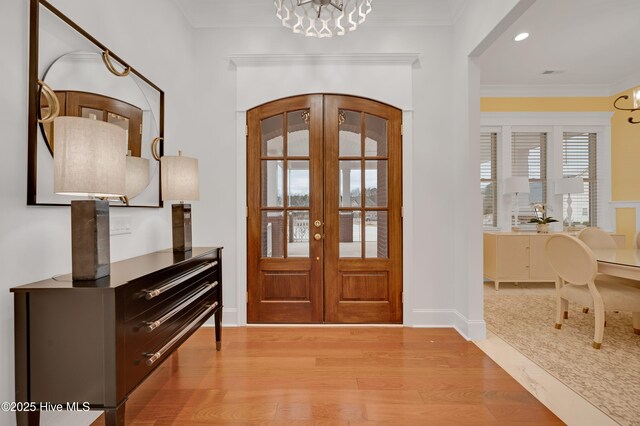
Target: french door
(324, 198)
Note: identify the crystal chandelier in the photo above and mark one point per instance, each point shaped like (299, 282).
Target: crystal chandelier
(322, 18)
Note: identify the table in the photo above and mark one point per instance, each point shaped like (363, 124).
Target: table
(623, 263)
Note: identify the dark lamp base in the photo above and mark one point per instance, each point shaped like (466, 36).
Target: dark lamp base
(90, 257)
(181, 225)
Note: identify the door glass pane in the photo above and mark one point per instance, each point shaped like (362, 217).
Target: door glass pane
(350, 183)
(92, 114)
(375, 143)
(375, 181)
(350, 133)
(272, 140)
(350, 234)
(376, 234)
(272, 183)
(298, 234)
(298, 133)
(298, 183)
(272, 234)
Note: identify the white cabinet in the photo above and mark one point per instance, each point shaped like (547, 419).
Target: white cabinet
(516, 257)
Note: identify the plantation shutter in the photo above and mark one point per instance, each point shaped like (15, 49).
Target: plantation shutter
(579, 159)
(529, 159)
(489, 179)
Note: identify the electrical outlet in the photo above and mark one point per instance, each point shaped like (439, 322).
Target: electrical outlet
(119, 225)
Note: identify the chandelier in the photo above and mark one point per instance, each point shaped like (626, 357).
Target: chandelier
(636, 104)
(322, 18)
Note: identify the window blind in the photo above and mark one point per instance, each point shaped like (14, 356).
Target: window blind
(579, 159)
(529, 159)
(489, 179)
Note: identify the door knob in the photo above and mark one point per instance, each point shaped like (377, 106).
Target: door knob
(317, 237)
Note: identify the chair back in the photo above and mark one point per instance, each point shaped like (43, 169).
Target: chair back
(571, 259)
(596, 239)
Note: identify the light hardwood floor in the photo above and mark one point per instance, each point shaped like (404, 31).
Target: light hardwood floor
(332, 375)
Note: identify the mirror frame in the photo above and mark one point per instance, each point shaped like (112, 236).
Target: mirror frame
(34, 99)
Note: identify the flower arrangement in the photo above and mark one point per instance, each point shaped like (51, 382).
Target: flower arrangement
(541, 218)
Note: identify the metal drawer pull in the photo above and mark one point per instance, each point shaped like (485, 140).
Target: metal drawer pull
(153, 357)
(152, 325)
(158, 291)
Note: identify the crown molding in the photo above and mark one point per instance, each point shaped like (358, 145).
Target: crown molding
(602, 119)
(543, 91)
(320, 59)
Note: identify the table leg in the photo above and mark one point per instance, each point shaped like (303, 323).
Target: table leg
(28, 418)
(218, 324)
(115, 416)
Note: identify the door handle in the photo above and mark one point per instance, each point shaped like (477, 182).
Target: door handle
(317, 237)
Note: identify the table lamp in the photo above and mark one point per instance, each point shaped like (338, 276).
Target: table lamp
(516, 185)
(89, 159)
(180, 182)
(572, 185)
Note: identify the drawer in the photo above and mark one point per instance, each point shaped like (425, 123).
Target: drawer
(151, 295)
(158, 325)
(143, 360)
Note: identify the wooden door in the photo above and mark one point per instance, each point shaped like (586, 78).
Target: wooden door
(284, 199)
(363, 211)
(324, 197)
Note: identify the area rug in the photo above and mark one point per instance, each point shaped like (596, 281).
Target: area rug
(609, 378)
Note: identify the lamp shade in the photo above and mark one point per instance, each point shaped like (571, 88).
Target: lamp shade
(516, 185)
(137, 176)
(180, 179)
(89, 157)
(573, 185)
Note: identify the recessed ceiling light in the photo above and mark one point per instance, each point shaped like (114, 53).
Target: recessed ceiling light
(521, 36)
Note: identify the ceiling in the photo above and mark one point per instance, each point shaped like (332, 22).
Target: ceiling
(261, 13)
(594, 42)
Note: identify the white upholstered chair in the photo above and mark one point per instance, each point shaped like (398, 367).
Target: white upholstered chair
(576, 268)
(596, 238)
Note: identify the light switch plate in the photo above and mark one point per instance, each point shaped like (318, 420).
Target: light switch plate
(119, 225)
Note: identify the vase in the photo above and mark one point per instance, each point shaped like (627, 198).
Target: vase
(542, 228)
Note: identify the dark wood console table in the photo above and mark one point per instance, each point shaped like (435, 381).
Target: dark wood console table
(95, 341)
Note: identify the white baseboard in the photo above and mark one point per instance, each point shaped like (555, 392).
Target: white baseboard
(422, 318)
(450, 318)
(229, 318)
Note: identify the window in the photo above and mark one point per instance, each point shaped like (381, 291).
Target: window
(579, 159)
(529, 159)
(489, 179)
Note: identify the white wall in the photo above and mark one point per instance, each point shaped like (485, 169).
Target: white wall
(35, 242)
(479, 25)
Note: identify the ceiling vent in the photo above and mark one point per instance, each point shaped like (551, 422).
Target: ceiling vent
(552, 72)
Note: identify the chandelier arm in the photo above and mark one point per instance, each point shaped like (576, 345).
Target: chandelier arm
(623, 109)
(319, 11)
(632, 121)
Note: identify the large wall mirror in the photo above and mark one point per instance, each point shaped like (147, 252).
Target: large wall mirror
(73, 74)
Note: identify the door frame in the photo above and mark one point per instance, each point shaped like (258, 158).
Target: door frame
(408, 282)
